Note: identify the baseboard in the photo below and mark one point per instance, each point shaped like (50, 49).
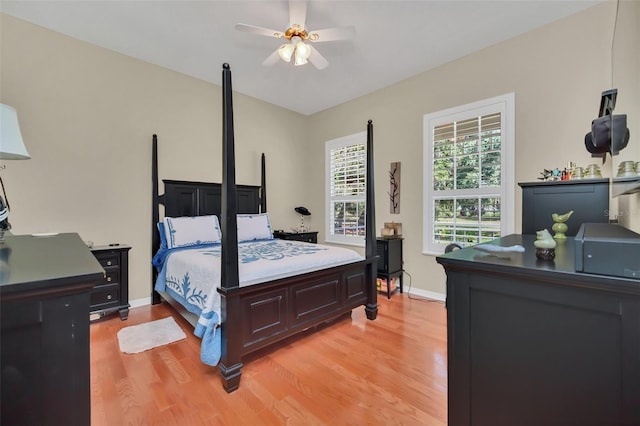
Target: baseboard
(140, 302)
(426, 293)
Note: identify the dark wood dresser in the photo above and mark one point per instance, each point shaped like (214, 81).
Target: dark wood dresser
(45, 283)
(588, 198)
(532, 342)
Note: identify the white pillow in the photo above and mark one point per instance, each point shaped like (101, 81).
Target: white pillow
(254, 227)
(191, 231)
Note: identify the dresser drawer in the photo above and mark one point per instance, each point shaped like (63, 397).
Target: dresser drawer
(108, 293)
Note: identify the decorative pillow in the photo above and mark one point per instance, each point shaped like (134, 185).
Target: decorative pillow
(254, 227)
(191, 231)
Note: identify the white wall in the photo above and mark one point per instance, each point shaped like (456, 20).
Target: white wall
(87, 115)
(557, 73)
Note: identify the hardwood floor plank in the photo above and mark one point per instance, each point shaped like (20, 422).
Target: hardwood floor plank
(389, 371)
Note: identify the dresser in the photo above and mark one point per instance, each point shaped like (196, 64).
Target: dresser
(45, 285)
(309, 237)
(588, 198)
(532, 342)
(112, 293)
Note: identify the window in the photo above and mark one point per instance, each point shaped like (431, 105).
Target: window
(468, 174)
(345, 160)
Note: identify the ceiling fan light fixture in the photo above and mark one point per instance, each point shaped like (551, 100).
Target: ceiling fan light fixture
(299, 61)
(303, 51)
(286, 51)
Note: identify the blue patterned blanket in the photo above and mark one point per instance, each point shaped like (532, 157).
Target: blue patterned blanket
(192, 275)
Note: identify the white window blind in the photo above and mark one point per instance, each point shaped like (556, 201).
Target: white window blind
(468, 174)
(346, 178)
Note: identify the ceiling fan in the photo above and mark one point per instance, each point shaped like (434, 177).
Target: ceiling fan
(298, 46)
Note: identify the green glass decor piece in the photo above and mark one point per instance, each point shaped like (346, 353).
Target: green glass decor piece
(559, 226)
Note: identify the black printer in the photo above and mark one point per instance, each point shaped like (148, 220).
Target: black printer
(607, 249)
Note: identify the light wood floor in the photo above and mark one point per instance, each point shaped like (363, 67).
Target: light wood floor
(354, 372)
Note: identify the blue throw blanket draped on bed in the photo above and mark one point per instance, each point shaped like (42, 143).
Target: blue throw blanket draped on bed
(210, 334)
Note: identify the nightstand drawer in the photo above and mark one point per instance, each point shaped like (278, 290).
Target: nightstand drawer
(112, 276)
(108, 259)
(105, 294)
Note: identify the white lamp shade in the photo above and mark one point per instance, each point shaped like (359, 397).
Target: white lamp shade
(303, 51)
(11, 144)
(285, 51)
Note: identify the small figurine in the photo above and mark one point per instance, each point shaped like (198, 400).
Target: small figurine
(499, 251)
(545, 245)
(559, 226)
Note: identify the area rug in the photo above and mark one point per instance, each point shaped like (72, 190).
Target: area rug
(142, 337)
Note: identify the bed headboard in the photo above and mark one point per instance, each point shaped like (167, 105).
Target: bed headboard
(184, 198)
(187, 198)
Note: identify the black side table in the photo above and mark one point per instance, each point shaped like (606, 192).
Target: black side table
(112, 293)
(390, 262)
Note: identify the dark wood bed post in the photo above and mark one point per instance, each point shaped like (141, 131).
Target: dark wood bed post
(370, 231)
(155, 217)
(230, 366)
(263, 186)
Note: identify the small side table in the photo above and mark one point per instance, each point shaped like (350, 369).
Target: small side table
(112, 294)
(309, 236)
(390, 262)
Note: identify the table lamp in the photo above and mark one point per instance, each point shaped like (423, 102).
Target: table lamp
(302, 211)
(11, 148)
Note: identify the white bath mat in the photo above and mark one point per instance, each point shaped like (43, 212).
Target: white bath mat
(142, 337)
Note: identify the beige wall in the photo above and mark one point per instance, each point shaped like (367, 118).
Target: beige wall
(625, 74)
(87, 116)
(557, 73)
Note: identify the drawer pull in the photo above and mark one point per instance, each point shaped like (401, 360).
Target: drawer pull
(109, 297)
(108, 263)
(109, 279)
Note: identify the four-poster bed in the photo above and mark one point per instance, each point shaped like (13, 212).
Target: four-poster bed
(255, 315)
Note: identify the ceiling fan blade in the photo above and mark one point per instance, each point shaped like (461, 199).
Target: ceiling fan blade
(297, 12)
(272, 59)
(317, 59)
(259, 30)
(332, 34)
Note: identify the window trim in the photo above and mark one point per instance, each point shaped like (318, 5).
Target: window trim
(505, 104)
(359, 138)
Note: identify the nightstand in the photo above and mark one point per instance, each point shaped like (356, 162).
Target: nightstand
(389, 251)
(308, 237)
(112, 294)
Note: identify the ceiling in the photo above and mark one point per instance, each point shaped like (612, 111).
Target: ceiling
(394, 39)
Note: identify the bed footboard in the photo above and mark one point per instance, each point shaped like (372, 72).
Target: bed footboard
(260, 315)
